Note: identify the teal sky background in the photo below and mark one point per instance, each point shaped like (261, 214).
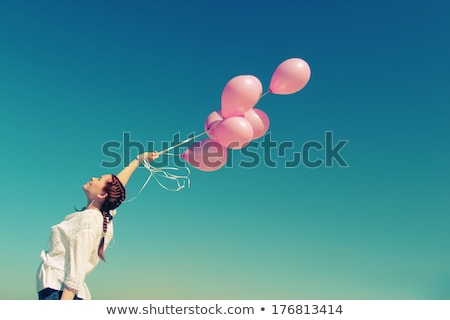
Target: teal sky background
(77, 74)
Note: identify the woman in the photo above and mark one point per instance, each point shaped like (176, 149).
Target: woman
(77, 244)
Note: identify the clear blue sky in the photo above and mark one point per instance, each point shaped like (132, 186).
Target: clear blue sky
(78, 74)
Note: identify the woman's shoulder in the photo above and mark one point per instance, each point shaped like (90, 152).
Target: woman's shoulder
(84, 215)
(87, 215)
(75, 222)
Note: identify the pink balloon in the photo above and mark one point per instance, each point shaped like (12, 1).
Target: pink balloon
(290, 76)
(206, 155)
(211, 123)
(240, 95)
(259, 120)
(234, 132)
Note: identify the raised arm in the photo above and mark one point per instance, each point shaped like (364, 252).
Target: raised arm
(128, 171)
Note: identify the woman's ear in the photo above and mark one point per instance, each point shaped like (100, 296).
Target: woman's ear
(102, 195)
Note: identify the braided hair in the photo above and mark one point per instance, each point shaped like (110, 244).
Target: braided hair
(116, 195)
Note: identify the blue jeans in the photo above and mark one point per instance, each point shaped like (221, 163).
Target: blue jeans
(52, 294)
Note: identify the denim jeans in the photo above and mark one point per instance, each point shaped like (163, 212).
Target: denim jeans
(52, 294)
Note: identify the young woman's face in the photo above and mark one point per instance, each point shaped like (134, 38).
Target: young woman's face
(95, 186)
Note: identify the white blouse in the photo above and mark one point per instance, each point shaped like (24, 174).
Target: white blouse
(72, 252)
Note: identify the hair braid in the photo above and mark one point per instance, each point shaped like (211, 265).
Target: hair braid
(116, 195)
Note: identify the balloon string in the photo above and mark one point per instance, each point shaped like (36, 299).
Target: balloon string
(162, 172)
(182, 181)
(268, 91)
(182, 142)
(140, 190)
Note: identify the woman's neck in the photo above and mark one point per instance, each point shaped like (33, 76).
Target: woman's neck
(93, 205)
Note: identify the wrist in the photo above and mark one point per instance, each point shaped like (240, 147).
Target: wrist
(74, 291)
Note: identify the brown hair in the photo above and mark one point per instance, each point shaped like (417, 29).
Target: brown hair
(116, 195)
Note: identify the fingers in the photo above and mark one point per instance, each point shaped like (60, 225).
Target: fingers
(152, 155)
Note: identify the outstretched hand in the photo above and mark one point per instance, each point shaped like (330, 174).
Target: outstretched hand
(126, 172)
(150, 156)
